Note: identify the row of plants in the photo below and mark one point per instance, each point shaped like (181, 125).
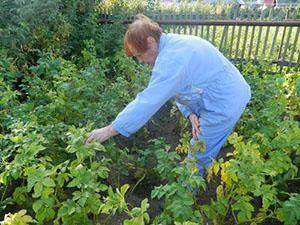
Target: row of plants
(61, 74)
(260, 180)
(47, 170)
(43, 159)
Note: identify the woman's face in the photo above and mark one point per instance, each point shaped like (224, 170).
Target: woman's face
(149, 56)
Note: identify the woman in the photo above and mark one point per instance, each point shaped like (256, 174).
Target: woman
(208, 89)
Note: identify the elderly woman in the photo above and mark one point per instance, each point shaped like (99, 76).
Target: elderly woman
(207, 88)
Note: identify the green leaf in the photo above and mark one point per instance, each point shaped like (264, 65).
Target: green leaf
(103, 187)
(32, 178)
(243, 216)
(68, 208)
(47, 191)
(3, 177)
(15, 139)
(124, 189)
(82, 201)
(38, 188)
(48, 182)
(74, 183)
(144, 205)
(37, 205)
(20, 195)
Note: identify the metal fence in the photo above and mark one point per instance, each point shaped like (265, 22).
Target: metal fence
(239, 38)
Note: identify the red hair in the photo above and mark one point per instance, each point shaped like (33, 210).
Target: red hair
(138, 32)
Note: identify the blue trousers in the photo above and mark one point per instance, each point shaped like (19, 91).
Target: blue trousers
(214, 135)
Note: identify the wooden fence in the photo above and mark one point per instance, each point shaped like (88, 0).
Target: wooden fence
(239, 39)
(246, 40)
(234, 13)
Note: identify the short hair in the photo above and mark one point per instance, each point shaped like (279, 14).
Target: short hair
(138, 32)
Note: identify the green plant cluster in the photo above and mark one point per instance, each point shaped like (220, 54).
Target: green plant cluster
(62, 74)
(44, 165)
(263, 169)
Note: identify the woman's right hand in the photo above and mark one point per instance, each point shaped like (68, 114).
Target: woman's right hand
(101, 135)
(195, 125)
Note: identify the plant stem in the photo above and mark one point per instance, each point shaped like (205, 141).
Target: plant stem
(3, 194)
(137, 183)
(233, 215)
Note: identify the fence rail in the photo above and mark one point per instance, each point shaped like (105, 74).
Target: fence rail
(241, 40)
(233, 13)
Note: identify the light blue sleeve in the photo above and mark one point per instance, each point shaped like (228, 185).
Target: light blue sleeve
(166, 81)
(183, 109)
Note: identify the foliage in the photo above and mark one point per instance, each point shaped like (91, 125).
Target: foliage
(116, 201)
(178, 192)
(42, 150)
(184, 143)
(289, 213)
(263, 159)
(19, 218)
(29, 28)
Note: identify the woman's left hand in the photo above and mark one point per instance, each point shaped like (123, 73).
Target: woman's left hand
(195, 125)
(101, 134)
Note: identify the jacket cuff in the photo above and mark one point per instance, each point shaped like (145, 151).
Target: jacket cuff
(186, 113)
(120, 129)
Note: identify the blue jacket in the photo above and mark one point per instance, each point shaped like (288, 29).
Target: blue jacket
(197, 75)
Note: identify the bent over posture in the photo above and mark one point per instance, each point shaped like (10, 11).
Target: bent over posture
(207, 88)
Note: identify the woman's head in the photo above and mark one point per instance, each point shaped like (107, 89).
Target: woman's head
(142, 39)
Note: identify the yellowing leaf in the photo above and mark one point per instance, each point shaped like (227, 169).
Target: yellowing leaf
(220, 191)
